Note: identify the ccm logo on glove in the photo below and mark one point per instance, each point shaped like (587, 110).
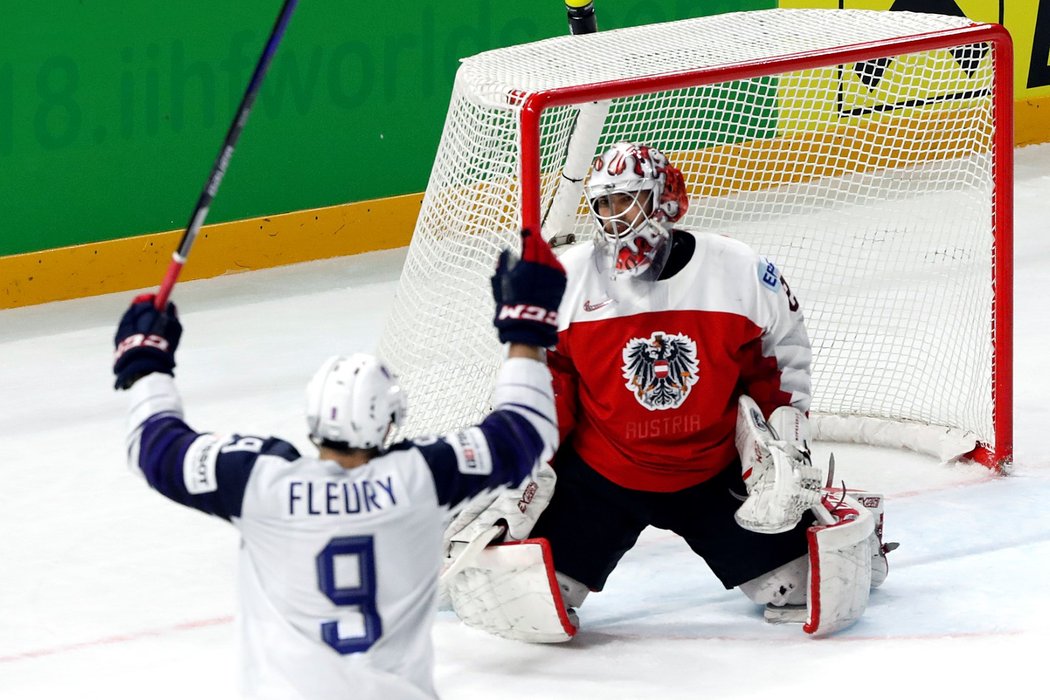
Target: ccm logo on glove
(139, 340)
(525, 312)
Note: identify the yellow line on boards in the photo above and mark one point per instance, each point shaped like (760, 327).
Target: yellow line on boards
(1031, 121)
(237, 246)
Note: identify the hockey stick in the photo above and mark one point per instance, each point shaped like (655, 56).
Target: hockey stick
(222, 161)
(560, 217)
(581, 16)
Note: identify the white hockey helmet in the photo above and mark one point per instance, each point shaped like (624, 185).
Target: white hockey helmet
(623, 173)
(353, 401)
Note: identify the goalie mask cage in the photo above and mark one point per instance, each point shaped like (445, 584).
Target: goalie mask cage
(868, 154)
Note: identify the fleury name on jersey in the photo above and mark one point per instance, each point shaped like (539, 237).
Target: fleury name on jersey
(364, 497)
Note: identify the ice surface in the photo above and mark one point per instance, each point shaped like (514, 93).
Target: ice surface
(107, 590)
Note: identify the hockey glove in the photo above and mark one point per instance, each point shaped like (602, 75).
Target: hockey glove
(782, 483)
(528, 292)
(517, 509)
(145, 341)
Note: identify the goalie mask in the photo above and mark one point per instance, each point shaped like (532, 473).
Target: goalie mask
(635, 195)
(353, 401)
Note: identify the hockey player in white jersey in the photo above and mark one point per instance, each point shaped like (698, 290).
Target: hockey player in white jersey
(341, 551)
(682, 382)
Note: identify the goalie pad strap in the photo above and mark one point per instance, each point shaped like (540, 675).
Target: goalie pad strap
(511, 590)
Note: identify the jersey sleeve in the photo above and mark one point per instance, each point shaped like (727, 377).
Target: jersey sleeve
(502, 450)
(777, 365)
(204, 471)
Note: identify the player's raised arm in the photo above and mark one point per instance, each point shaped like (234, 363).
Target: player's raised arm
(521, 430)
(203, 471)
(144, 364)
(521, 434)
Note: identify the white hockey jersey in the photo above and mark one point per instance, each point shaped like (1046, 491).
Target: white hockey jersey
(647, 373)
(338, 567)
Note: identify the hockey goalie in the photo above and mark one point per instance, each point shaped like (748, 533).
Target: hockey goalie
(682, 380)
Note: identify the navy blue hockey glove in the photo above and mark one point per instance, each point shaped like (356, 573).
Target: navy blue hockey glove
(528, 292)
(145, 341)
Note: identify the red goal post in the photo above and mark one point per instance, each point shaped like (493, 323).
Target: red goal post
(891, 217)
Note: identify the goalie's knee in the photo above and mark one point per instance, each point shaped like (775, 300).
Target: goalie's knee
(785, 585)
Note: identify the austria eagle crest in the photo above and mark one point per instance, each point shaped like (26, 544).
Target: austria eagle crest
(661, 369)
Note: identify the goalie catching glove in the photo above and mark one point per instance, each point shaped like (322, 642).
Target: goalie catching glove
(782, 483)
(528, 291)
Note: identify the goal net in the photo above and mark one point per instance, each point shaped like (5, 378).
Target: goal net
(868, 154)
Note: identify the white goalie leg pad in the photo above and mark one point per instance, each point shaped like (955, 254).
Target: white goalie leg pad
(780, 589)
(839, 565)
(512, 591)
(782, 484)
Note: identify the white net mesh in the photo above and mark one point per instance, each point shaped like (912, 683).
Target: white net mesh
(869, 183)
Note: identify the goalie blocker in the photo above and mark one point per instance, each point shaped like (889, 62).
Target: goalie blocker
(509, 589)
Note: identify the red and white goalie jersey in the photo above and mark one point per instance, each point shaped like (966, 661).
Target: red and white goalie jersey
(647, 373)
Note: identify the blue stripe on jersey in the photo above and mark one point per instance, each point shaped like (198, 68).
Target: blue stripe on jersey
(162, 451)
(509, 433)
(514, 444)
(529, 409)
